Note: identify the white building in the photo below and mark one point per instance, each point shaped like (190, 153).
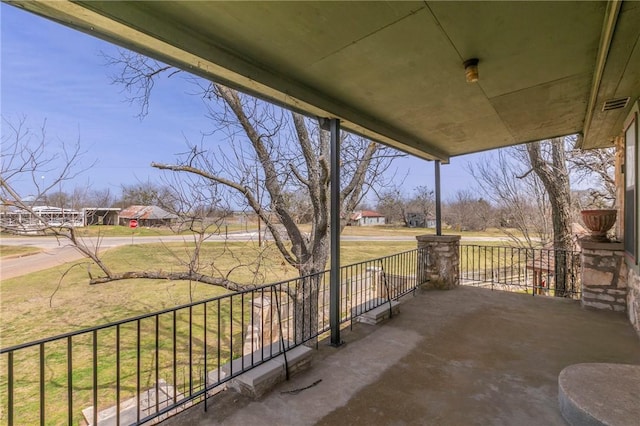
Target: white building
(367, 218)
(43, 216)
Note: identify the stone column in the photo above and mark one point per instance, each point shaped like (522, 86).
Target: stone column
(441, 266)
(604, 276)
(633, 298)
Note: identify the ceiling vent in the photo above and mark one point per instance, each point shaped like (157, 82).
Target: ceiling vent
(612, 104)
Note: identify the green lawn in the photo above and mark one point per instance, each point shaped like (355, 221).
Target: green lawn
(60, 300)
(152, 338)
(120, 231)
(388, 230)
(6, 251)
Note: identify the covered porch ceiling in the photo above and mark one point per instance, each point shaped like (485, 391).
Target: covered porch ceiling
(392, 71)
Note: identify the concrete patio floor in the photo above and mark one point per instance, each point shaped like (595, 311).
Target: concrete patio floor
(459, 357)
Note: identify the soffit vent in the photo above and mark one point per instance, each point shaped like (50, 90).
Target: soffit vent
(612, 104)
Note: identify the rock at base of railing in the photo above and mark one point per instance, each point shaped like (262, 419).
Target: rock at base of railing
(257, 381)
(375, 315)
(150, 402)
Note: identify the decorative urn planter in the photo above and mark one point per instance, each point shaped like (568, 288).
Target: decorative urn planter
(599, 222)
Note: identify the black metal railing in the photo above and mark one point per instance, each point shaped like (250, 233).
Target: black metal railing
(367, 285)
(546, 272)
(151, 366)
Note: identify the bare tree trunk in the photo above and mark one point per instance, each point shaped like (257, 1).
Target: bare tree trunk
(552, 171)
(305, 306)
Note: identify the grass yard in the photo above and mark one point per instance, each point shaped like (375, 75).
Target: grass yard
(59, 300)
(120, 231)
(135, 355)
(6, 251)
(388, 230)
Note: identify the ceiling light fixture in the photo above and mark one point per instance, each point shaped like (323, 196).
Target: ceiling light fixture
(471, 70)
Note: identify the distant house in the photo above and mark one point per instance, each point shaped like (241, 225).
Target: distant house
(367, 218)
(100, 216)
(146, 216)
(419, 220)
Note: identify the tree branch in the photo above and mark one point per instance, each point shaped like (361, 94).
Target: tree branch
(253, 202)
(527, 173)
(174, 276)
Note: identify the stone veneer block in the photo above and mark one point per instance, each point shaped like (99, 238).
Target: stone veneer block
(604, 276)
(633, 298)
(600, 247)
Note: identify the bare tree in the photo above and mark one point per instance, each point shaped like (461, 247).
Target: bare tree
(29, 161)
(397, 207)
(468, 212)
(26, 156)
(279, 172)
(595, 167)
(202, 209)
(57, 199)
(423, 202)
(300, 206)
(79, 197)
(546, 162)
(284, 152)
(143, 193)
(99, 198)
(392, 203)
(549, 163)
(521, 200)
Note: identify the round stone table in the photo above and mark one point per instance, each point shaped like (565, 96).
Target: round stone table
(600, 394)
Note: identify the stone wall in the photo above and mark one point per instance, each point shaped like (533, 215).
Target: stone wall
(604, 276)
(441, 267)
(633, 298)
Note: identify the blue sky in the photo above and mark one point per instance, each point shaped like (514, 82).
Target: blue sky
(51, 72)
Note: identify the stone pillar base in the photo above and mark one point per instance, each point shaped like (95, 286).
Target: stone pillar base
(441, 266)
(633, 298)
(604, 276)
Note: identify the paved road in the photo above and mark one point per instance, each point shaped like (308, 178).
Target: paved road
(15, 267)
(57, 252)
